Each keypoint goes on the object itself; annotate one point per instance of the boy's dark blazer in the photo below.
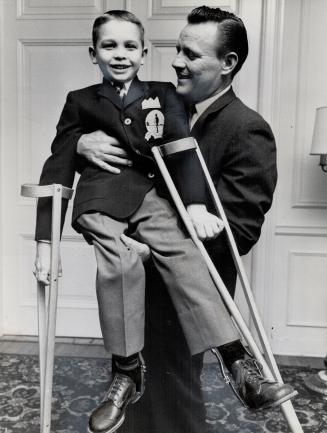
(99, 107)
(239, 148)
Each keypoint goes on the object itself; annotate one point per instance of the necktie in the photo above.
(193, 114)
(121, 90)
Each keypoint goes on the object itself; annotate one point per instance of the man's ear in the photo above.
(144, 54)
(230, 62)
(93, 55)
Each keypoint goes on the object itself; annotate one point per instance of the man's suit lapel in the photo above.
(216, 106)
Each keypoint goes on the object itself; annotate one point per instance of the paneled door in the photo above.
(44, 55)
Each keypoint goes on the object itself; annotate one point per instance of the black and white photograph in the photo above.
(163, 235)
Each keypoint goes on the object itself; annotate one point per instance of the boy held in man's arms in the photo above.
(135, 202)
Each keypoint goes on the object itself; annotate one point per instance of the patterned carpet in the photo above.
(79, 383)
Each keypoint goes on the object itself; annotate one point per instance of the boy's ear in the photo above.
(92, 55)
(230, 61)
(144, 54)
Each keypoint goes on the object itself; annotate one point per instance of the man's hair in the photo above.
(118, 15)
(233, 36)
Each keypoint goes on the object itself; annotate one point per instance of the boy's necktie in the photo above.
(121, 90)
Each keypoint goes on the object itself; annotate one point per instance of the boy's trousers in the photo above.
(120, 280)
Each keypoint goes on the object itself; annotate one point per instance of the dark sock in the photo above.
(231, 352)
(126, 363)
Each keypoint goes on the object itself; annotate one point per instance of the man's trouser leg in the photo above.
(201, 312)
(173, 401)
(120, 283)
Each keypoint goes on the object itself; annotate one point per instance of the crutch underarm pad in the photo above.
(181, 145)
(185, 169)
(36, 191)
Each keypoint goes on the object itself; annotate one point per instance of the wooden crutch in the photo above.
(47, 311)
(171, 148)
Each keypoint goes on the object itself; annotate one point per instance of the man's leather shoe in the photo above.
(125, 388)
(256, 391)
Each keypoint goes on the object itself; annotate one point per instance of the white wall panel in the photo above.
(47, 70)
(163, 9)
(307, 294)
(58, 9)
(162, 55)
(299, 299)
(76, 289)
(310, 189)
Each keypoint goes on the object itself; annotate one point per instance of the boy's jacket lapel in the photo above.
(109, 92)
(135, 92)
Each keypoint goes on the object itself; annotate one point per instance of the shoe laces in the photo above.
(253, 371)
(117, 387)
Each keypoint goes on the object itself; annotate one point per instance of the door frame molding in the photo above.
(268, 103)
(1, 173)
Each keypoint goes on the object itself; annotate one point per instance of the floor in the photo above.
(81, 377)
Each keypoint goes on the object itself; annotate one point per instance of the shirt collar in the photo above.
(125, 85)
(203, 105)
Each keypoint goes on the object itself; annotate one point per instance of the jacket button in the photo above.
(127, 121)
(150, 175)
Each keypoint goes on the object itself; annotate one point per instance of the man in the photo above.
(239, 149)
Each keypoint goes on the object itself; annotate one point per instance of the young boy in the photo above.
(140, 115)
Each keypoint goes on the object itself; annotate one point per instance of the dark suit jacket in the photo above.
(99, 107)
(239, 149)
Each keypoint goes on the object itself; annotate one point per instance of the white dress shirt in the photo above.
(201, 107)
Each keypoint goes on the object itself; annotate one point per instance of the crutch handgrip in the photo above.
(36, 191)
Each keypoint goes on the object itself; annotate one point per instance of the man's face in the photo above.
(118, 52)
(197, 66)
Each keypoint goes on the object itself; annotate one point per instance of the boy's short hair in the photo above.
(119, 15)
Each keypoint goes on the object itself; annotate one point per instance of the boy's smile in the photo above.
(119, 51)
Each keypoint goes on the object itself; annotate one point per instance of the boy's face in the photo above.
(118, 52)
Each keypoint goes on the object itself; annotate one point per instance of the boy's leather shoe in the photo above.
(255, 389)
(125, 388)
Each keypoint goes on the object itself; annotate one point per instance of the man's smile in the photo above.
(183, 76)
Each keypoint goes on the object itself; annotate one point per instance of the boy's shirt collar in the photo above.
(136, 89)
(124, 87)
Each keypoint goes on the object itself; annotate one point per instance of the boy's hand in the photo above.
(207, 225)
(142, 249)
(102, 150)
(43, 262)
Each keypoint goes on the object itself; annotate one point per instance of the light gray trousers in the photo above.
(120, 280)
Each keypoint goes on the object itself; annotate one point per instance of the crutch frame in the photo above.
(160, 152)
(47, 305)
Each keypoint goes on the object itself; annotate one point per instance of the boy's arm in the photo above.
(184, 167)
(43, 261)
(60, 167)
(186, 170)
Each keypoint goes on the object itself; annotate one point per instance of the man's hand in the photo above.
(43, 263)
(142, 249)
(103, 150)
(207, 225)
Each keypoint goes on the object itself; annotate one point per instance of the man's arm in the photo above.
(186, 170)
(102, 150)
(247, 182)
